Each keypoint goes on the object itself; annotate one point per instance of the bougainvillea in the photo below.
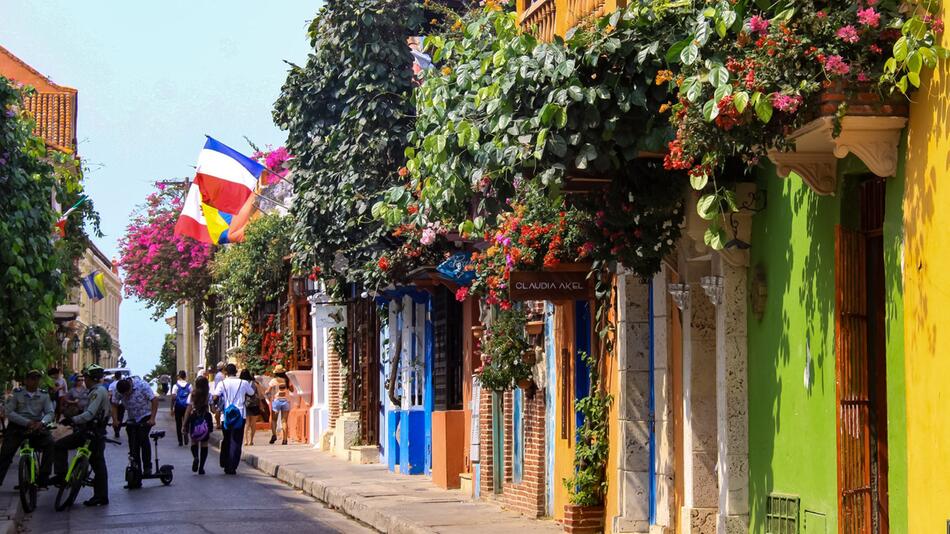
(750, 75)
(162, 269)
(503, 350)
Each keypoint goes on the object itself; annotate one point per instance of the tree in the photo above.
(35, 267)
(162, 269)
(167, 359)
(347, 113)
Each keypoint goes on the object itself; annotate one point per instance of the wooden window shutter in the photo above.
(853, 392)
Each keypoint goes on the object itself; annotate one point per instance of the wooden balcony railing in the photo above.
(546, 18)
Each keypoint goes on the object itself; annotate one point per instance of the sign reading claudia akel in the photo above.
(533, 285)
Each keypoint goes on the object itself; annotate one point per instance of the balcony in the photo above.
(546, 18)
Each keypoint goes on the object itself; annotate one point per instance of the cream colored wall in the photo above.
(104, 313)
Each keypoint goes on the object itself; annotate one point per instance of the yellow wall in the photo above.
(563, 448)
(927, 303)
(612, 382)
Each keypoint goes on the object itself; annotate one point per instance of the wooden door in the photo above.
(852, 383)
(363, 358)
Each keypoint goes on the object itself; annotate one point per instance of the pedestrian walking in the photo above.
(29, 409)
(253, 406)
(163, 382)
(180, 393)
(231, 394)
(279, 389)
(218, 377)
(141, 406)
(111, 382)
(94, 418)
(198, 423)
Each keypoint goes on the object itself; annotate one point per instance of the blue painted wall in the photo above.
(517, 438)
(582, 329)
(429, 398)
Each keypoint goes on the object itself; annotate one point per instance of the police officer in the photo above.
(29, 409)
(93, 420)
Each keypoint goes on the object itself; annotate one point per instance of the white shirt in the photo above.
(218, 377)
(179, 384)
(233, 390)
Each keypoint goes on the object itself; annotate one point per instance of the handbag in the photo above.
(265, 412)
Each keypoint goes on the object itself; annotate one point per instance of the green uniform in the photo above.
(94, 420)
(24, 408)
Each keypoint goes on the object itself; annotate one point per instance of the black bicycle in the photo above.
(77, 475)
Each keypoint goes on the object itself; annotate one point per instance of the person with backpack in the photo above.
(180, 392)
(280, 388)
(198, 423)
(231, 394)
(254, 406)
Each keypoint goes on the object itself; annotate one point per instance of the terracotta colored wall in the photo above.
(448, 438)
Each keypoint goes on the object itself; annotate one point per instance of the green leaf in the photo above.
(710, 110)
(741, 100)
(900, 49)
(914, 63)
(722, 91)
(698, 181)
(902, 84)
(914, 78)
(673, 54)
(715, 237)
(718, 75)
(708, 206)
(763, 109)
(695, 91)
(575, 93)
(690, 54)
(929, 56)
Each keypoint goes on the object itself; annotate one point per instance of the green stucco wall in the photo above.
(896, 390)
(792, 424)
(792, 436)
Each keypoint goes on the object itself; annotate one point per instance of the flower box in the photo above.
(534, 328)
(862, 101)
(583, 519)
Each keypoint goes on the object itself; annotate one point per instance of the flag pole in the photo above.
(268, 171)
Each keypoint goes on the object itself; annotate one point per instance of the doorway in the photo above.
(861, 373)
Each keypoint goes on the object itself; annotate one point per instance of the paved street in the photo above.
(250, 502)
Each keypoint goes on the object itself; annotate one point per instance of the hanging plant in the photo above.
(503, 352)
(588, 485)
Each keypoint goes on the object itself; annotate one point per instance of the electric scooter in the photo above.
(134, 474)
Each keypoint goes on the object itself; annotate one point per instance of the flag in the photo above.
(94, 284)
(61, 222)
(201, 222)
(226, 177)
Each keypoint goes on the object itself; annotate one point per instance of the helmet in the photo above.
(94, 372)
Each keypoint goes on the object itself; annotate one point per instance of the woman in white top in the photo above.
(279, 390)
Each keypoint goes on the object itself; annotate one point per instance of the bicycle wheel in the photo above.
(27, 484)
(67, 494)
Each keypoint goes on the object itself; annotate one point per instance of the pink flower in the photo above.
(836, 65)
(428, 237)
(847, 34)
(461, 294)
(758, 24)
(786, 103)
(863, 77)
(869, 17)
(821, 14)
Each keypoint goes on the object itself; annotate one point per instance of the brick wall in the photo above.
(526, 497)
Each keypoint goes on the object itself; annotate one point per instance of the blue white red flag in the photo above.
(226, 177)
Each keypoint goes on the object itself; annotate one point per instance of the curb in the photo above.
(350, 504)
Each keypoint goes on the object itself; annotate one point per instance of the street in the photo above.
(249, 502)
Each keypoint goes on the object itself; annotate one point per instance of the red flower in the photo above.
(461, 294)
(383, 263)
(403, 171)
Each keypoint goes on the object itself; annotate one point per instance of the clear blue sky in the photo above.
(153, 78)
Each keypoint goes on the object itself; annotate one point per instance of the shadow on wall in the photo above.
(791, 357)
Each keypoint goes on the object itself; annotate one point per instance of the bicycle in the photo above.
(26, 474)
(77, 475)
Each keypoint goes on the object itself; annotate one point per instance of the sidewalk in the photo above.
(385, 501)
(11, 511)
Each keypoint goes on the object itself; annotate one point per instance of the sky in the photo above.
(153, 79)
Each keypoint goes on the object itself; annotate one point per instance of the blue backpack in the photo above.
(181, 397)
(231, 417)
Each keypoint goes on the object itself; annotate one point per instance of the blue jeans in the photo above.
(231, 447)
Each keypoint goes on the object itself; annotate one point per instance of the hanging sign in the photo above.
(329, 316)
(543, 285)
